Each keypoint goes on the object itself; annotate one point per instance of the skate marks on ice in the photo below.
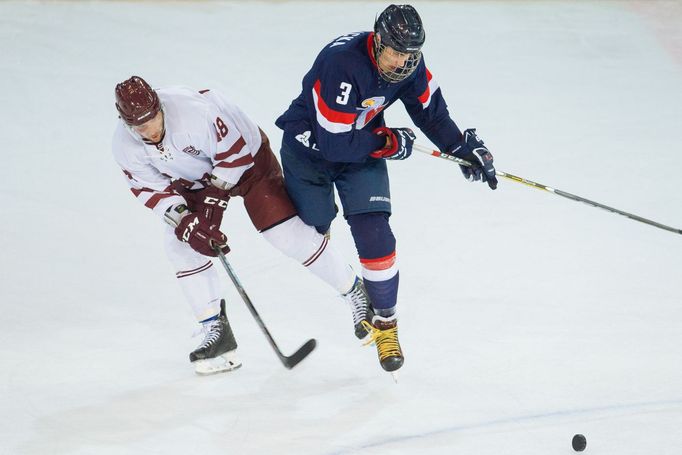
(577, 418)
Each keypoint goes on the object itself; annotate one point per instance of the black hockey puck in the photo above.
(579, 443)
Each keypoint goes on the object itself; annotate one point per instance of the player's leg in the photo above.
(200, 285)
(273, 213)
(365, 196)
(309, 185)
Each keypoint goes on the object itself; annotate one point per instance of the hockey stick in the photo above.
(540, 186)
(288, 361)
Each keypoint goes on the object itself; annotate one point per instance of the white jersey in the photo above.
(204, 135)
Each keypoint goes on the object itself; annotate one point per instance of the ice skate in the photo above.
(218, 351)
(384, 333)
(359, 304)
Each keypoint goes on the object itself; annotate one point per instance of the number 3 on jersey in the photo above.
(345, 93)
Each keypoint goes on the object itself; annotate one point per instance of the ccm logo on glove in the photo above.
(190, 227)
(215, 201)
(202, 235)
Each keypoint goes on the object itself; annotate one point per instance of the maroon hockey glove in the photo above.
(201, 235)
(400, 143)
(211, 202)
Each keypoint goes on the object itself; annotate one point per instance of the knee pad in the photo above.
(372, 234)
(376, 247)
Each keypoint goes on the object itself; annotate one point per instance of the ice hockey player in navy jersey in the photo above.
(335, 135)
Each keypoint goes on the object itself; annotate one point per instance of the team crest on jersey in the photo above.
(370, 108)
(304, 138)
(190, 150)
(166, 155)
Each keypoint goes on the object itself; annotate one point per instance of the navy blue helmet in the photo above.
(400, 28)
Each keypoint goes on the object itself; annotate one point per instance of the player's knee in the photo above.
(295, 239)
(372, 234)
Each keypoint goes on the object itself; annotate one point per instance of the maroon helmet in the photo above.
(136, 101)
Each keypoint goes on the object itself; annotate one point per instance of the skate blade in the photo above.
(221, 364)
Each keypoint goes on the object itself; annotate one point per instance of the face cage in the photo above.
(135, 134)
(398, 74)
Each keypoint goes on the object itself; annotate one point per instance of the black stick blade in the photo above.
(299, 355)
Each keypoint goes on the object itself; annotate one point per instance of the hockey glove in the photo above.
(201, 235)
(475, 152)
(211, 202)
(399, 145)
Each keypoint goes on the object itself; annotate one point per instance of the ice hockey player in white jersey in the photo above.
(185, 153)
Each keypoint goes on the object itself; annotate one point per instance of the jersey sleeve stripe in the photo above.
(431, 87)
(155, 198)
(243, 161)
(330, 119)
(236, 148)
(138, 191)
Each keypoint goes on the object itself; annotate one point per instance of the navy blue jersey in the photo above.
(343, 98)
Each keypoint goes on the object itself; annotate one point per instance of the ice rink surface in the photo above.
(524, 317)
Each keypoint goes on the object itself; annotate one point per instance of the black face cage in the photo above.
(397, 74)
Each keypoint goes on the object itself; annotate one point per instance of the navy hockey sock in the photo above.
(375, 243)
(383, 294)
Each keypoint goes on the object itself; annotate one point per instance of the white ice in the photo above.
(525, 317)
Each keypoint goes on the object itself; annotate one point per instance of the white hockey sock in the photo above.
(303, 243)
(196, 276)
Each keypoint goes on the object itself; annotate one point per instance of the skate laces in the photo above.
(386, 340)
(357, 298)
(213, 332)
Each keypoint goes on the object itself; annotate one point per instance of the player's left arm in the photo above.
(231, 130)
(424, 102)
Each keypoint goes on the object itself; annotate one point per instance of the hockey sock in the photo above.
(303, 243)
(196, 276)
(375, 243)
(202, 290)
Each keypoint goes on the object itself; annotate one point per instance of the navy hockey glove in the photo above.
(201, 234)
(400, 142)
(475, 152)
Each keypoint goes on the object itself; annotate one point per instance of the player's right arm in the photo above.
(149, 186)
(335, 97)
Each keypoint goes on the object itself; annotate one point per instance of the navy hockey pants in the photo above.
(310, 181)
(363, 189)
